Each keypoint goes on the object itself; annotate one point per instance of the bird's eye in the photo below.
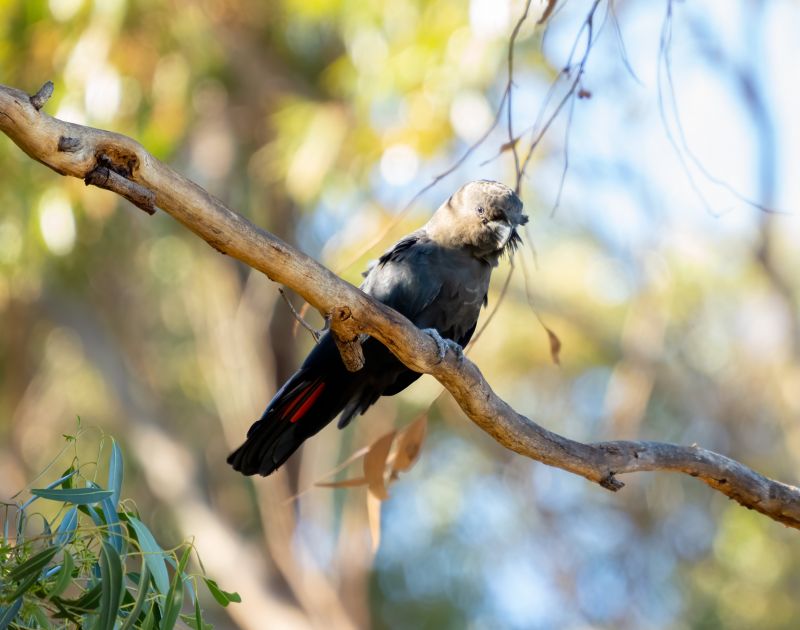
(481, 211)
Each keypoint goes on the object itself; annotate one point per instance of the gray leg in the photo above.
(444, 344)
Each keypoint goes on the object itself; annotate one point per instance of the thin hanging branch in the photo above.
(78, 151)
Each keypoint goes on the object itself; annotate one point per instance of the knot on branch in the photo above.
(107, 178)
(42, 96)
(610, 482)
(68, 145)
(346, 335)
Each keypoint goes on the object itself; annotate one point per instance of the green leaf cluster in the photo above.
(95, 564)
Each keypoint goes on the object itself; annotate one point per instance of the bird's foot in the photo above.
(443, 344)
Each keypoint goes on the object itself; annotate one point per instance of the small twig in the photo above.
(512, 141)
(43, 95)
(588, 27)
(138, 195)
(316, 334)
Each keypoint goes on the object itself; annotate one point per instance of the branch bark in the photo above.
(79, 151)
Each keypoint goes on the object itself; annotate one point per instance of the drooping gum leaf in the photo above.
(150, 618)
(33, 565)
(66, 529)
(223, 597)
(344, 483)
(174, 599)
(141, 596)
(115, 469)
(375, 465)
(23, 587)
(548, 10)
(64, 577)
(188, 583)
(374, 516)
(111, 579)
(76, 496)
(555, 346)
(8, 613)
(173, 606)
(153, 555)
(410, 444)
(112, 521)
(198, 617)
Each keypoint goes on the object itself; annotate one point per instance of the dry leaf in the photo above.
(410, 445)
(509, 145)
(344, 483)
(555, 346)
(375, 465)
(551, 4)
(374, 517)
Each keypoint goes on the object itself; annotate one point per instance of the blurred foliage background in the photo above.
(675, 299)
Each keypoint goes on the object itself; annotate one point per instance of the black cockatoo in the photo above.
(438, 277)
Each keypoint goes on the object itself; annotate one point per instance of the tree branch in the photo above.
(78, 151)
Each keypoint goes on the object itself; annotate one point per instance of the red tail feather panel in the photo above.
(305, 400)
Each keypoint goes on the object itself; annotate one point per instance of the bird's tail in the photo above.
(299, 410)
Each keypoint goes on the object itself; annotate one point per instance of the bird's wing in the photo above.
(405, 276)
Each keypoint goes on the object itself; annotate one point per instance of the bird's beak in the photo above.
(503, 231)
(523, 219)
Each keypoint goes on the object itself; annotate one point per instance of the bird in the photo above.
(437, 277)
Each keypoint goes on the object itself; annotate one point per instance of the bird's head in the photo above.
(481, 216)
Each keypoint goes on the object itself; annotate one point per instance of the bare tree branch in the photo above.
(353, 313)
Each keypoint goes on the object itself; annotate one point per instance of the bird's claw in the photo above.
(443, 344)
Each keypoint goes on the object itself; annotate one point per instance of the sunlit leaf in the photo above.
(344, 483)
(410, 444)
(375, 465)
(374, 517)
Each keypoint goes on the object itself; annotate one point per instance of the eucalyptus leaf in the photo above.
(111, 580)
(64, 577)
(66, 529)
(115, 470)
(152, 553)
(141, 596)
(76, 496)
(223, 597)
(9, 613)
(33, 565)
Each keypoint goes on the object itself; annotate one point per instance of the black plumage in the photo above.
(438, 277)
